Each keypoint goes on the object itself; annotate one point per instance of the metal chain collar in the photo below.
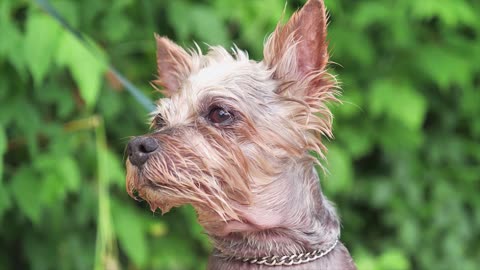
(294, 259)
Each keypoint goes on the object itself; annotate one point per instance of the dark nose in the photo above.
(140, 148)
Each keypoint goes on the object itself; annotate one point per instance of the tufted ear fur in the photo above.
(298, 50)
(174, 65)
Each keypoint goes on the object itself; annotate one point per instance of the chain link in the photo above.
(294, 259)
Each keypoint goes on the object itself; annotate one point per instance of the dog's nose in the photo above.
(140, 148)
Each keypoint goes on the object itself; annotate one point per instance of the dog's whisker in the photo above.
(240, 140)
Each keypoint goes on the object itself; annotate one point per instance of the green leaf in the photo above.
(28, 122)
(196, 229)
(4, 196)
(58, 174)
(436, 62)
(87, 67)
(117, 26)
(176, 16)
(206, 18)
(358, 141)
(410, 106)
(115, 168)
(399, 101)
(70, 11)
(362, 53)
(11, 48)
(365, 261)
(409, 234)
(340, 177)
(131, 232)
(5, 201)
(368, 13)
(24, 187)
(68, 172)
(52, 190)
(3, 148)
(394, 260)
(352, 102)
(199, 18)
(450, 13)
(40, 44)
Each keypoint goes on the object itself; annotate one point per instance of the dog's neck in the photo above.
(292, 217)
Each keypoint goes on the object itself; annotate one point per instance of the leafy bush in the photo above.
(404, 165)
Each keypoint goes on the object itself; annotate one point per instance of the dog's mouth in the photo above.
(138, 180)
(158, 194)
(164, 184)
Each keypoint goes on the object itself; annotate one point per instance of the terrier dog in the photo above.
(233, 138)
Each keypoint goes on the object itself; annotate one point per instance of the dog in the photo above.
(233, 137)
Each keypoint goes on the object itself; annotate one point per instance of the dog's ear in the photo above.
(173, 63)
(299, 48)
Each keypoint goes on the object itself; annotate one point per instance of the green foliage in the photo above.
(404, 169)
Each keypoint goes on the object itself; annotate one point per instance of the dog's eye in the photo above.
(219, 115)
(159, 121)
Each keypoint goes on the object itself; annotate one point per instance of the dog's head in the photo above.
(229, 127)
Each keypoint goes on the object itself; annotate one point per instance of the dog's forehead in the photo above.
(241, 80)
(216, 75)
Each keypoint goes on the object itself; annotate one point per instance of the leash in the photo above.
(134, 91)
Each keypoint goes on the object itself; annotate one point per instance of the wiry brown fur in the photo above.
(252, 181)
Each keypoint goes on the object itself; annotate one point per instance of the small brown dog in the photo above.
(232, 138)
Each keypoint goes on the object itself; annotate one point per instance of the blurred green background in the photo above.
(404, 167)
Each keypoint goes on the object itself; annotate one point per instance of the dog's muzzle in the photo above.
(140, 149)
